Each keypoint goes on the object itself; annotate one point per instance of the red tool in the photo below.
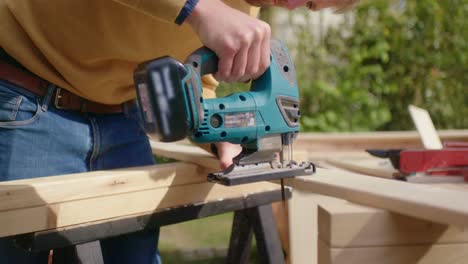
(450, 160)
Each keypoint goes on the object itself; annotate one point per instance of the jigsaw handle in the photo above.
(203, 60)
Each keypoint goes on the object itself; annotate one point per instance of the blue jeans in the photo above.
(36, 140)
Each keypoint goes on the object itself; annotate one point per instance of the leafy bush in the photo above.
(385, 55)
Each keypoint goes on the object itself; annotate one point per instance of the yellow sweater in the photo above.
(91, 47)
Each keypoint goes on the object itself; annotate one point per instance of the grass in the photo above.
(209, 232)
(199, 241)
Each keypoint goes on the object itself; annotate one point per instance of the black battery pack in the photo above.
(161, 99)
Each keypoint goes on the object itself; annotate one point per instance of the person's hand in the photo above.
(241, 42)
(227, 151)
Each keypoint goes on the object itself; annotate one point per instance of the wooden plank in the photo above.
(423, 122)
(358, 141)
(318, 155)
(416, 254)
(302, 212)
(417, 200)
(370, 166)
(183, 151)
(344, 224)
(55, 189)
(326, 142)
(74, 212)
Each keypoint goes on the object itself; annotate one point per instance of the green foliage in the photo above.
(162, 160)
(363, 74)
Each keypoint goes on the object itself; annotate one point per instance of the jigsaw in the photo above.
(263, 120)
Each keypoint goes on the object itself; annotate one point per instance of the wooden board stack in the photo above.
(53, 202)
(350, 233)
(338, 231)
(328, 230)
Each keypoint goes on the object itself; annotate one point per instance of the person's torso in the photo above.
(90, 47)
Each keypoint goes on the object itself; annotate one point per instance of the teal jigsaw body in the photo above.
(263, 120)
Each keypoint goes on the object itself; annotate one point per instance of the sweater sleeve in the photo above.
(209, 84)
(167, 10)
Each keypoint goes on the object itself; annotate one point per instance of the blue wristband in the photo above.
(186, 11)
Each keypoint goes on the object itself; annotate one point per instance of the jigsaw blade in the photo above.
(286, 156)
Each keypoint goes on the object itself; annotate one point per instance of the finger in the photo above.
(240, 63)
(254, 55)
(225, 163)
(227, 152)
(265, 53)
(226, 59)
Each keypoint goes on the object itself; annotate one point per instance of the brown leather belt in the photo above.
(63, 99)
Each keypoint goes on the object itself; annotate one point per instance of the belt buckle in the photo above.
(57, 98)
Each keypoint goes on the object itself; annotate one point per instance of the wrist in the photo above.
(186, 11)
(197, 12)
(202, 10)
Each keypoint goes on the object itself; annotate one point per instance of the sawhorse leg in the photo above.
(87, 253)
(260, 220)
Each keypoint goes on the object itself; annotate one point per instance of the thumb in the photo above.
(226, 152)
